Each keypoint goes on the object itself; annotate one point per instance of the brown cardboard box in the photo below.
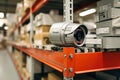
(42, 39)
(28, 3)
(45, 38)
(53, 76)
(18, 57)
(43, 28)
(27, 39)
(26, 74)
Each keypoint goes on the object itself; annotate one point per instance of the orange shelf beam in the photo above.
(80, 62)
(53, 59)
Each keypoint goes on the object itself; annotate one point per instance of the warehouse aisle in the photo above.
(7, 69)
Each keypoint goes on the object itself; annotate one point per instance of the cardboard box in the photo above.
(28, 3)
(53, 76)
(42, 28)
(45, 28)
(42, 39)
(45, 38)
(27, 39)
(20, 9)
(26, 74)
(37, 67)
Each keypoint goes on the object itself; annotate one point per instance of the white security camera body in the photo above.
(68, 34)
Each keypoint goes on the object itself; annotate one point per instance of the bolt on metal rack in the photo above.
(69, 62)
(68, 17)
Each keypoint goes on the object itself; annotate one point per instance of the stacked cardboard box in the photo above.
(41, 36)
(53, 76)
(20, 10)
(24, 38)
(42, 24)
(23, 6)
(18, 58)
(26, 74)
(28, 3)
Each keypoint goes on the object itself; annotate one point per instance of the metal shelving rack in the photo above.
(37, 5)
(69, 62)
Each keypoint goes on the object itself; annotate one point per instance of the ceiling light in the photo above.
(87, 12)
(2, 15)
(6, 27)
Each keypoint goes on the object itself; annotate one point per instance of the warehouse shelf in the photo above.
(71, 63)
(36, 6)
(16, 66)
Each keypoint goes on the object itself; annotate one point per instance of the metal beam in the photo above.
(11, 2)
(9, 9)
(8, 5)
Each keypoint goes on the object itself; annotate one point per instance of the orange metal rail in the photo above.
(71, 63)
(37, 5)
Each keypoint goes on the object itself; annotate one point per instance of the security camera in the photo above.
(68, 34)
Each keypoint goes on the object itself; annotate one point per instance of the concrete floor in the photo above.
(7, 68)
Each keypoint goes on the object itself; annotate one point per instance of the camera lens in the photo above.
(79, 36)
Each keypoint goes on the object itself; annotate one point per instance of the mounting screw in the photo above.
(65, 55)
(71, 55)
(65, 69)
(71, 69)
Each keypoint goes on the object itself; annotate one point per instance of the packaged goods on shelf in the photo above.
(18, 58)
(42, 39)
(27, 39)
(24, 38)
(108, 28)
(26, 74)
(109, 3)
(42, 28)
(47, 19)
(37, 67)
(28, 3)
(107, 13)
(20, 9)
(52, 76)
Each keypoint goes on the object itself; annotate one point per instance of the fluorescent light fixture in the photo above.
(2, 15)
(87, 12)
(6, 27)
